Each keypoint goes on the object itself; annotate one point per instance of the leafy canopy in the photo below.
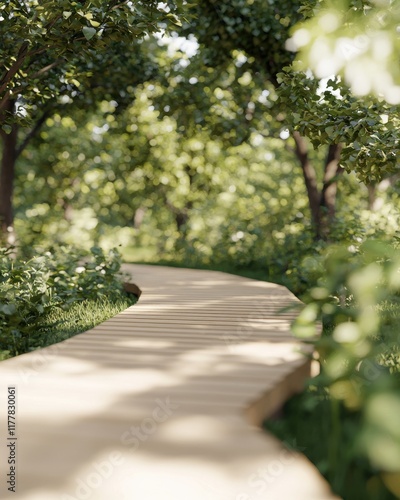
(45, 46)
(344, 84)
(357, 39)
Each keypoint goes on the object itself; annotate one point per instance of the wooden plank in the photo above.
(163, 401)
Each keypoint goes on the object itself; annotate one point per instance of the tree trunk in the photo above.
(375, 192)
(310, 179)
(371, 196)
(329, 190)
(68, 211)
(322, 203)
(181, 219)
(7, 174)
(10, 154)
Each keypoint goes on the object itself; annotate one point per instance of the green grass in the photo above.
(60, 325)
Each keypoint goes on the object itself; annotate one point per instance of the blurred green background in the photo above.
(256, 137)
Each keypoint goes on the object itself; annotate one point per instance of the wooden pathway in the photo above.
(163, 401)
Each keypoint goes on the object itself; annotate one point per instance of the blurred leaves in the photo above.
(357, 301)
(357, 39)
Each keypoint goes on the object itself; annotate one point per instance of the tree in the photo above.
(260, 31)
(168, 174)
(358, 107)
(51, 49)
(357, 39)
(36, 39)
(202, 196)
(367, 126)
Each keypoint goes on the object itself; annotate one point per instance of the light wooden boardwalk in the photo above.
(163, 401)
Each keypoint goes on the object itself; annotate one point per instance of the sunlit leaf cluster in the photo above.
(355, 38)
(358, 300)
(327, 112)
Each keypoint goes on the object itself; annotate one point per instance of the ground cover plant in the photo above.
(56, 293)
(347, 421)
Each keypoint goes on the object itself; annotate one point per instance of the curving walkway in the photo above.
(163, 401)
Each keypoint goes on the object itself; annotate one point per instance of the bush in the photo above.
(357, 300)
(31, 289)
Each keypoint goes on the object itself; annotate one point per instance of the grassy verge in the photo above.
(56, 293)
(59, 325)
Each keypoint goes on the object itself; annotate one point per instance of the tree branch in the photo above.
(3, 101)
(47, 68)
(51, 23)
(329, 188)
(9, 75)
(32, 133)
(16, 90)
(121, 4)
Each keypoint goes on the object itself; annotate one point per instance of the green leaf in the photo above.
(88, 32)
(174, 19)
(67, 14)
(8, 309)
(7, 129)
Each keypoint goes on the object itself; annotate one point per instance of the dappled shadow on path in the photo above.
(153, 399)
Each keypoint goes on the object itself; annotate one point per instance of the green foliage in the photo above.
(189, 156)
(367, 126)
(309, 423)
(49, 46)
(240, 204)
(358, 302)
(357, 39)
(257, 28)
(31, 289)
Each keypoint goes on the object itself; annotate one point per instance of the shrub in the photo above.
(357, 300)
(31, 289)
